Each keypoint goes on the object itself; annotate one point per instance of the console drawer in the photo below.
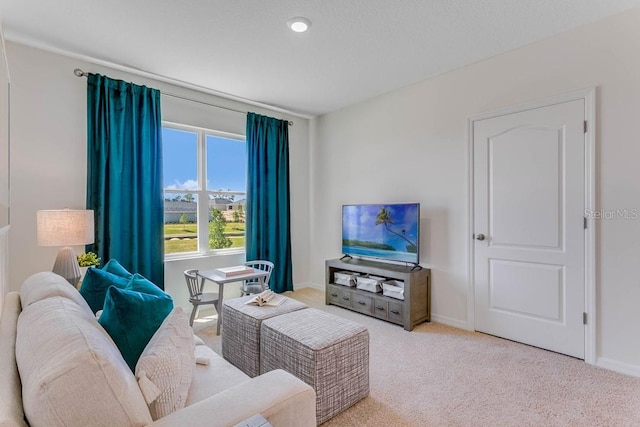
(362, 303)
(395, 312)
(338, 295)
(380, 308)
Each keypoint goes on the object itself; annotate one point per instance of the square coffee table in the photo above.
(328, 352)
(241, 331)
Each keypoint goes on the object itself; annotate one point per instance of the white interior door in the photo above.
(529, 240)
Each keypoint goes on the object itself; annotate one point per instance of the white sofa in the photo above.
(67, 371)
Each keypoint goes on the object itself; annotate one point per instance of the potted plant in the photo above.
(89, 259)
(86, 260)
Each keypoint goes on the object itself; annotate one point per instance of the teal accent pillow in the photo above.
(131, 317)
(139, 283)
(114, 267)
(95, 284)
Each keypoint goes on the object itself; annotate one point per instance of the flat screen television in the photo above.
(386, 231)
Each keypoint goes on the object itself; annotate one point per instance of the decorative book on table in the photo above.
(266, 297)
(236, 270)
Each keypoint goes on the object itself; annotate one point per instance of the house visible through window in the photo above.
(204, 190)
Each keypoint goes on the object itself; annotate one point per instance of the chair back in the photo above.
(192, 283)
(261, 265)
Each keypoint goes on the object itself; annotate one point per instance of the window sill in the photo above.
(198, 255)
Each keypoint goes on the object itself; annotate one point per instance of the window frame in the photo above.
(202, 193)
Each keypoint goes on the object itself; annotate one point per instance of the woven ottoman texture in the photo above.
(329, 353)
(241, 330)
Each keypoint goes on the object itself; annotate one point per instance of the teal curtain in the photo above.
(124, 174)
(267, 213)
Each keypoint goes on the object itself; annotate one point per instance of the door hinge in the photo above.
(585, 126)
(585, 222)
(584, 318)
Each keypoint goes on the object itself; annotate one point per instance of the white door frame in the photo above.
(589, 97)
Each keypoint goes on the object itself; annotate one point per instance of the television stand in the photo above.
(414, 309)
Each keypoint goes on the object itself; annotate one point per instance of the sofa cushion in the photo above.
(47, 284)
(214, 377)
(166, 365)
(71, 371)
(95, 284)
(131, 316)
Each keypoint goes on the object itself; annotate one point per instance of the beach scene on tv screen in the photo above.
(381, 231)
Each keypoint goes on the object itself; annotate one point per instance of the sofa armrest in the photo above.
(281, 398)
(11, 413)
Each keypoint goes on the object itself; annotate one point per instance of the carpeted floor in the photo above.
(442, 376)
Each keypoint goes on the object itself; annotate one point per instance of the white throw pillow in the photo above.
(72, 373)
(165, 367)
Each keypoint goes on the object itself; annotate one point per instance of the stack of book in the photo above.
(234, 271)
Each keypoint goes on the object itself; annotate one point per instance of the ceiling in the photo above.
(354, 50)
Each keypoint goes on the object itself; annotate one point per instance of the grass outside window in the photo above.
(183, 237)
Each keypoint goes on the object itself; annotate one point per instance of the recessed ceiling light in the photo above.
(299, 24)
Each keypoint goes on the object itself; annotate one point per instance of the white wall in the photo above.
(48, 157)
(4, 173)
(411, 145)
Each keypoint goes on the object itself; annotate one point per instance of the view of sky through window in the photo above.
(226, 161)
(226, 164)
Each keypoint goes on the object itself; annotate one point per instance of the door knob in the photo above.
(480, 236)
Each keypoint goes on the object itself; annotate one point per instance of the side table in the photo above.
(216, 277)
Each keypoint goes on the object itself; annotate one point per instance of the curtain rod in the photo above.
(79, 73)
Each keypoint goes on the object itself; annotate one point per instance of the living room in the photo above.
(409, 144)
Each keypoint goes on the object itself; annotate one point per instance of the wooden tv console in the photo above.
(414, 309)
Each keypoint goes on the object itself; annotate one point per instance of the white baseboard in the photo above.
(617, 366)
(450, 321)
(308, 285)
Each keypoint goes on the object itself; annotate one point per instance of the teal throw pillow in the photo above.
(139, 283)
(95, 284)
(132, 317)
(114, 267)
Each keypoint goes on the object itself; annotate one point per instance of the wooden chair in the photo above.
(254, 286)
(196, 297)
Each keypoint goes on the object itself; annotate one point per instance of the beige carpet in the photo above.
(441, 376)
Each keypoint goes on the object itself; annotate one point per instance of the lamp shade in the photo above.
(65, 227)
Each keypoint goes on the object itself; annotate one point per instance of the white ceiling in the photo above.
(355, 49)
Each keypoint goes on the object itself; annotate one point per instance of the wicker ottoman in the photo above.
(241, 330)
(329, 353)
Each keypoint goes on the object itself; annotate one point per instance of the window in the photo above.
(204, 190)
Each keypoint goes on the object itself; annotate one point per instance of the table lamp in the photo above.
(66, 227)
